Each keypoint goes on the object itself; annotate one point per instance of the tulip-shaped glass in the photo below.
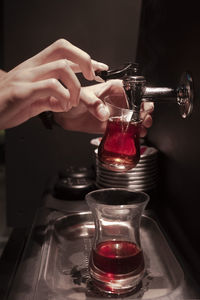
(119, 149)
(116, 261)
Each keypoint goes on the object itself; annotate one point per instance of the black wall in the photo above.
(107, 30)
(168, 45)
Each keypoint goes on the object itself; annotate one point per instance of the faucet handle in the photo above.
(137, 90)
(129, 69)
(185, 94)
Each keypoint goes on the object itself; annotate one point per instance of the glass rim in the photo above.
(101, 203)
(115, 106)
(127, 110)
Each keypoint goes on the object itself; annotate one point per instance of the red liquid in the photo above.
(117, 258)
(120, 144)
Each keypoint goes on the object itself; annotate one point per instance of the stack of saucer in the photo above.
(141, 178)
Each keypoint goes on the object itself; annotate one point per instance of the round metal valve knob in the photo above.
(185, 95)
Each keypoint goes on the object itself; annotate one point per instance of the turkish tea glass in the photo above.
(116, 261)
(119, 149)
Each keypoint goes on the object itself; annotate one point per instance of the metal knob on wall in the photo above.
(137, 90)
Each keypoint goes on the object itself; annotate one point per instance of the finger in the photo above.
(59, 70)
(111, 87)
(95, 64)
(105, 88)
(45, 104)
(116, 93)
(147, 122)
(147, 106)
(49, 88)
(29, 104)
(143, 132)
(64, 49)
(37, 107)
(95, 106)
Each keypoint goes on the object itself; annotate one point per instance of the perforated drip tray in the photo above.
(64, 273)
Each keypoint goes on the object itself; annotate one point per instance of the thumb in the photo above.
(94, 105)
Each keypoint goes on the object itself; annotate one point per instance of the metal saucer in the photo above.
(143, 179)
(131, 186)
(132, 172)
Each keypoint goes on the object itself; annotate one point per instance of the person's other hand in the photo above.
(47, 81)
(91, 115)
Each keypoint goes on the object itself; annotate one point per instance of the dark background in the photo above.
(169, 45)
(164, 37)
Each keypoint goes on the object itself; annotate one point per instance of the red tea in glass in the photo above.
(116, 266)
(117, 263)
(119, 149)
(117, 258)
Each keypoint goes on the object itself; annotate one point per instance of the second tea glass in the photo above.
(119, 149)
(116, 261)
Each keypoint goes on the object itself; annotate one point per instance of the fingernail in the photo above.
(103, 112)
(103, 66)
(148, 106)
(98, 79)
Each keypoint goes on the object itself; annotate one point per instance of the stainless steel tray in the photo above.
(65, 255)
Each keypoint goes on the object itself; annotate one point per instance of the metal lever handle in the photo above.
(129, 69)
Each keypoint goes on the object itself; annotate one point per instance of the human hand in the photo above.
(47, 81)
(91, 115)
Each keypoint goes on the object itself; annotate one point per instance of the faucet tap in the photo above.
(137, 90)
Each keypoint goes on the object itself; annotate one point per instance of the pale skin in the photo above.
(91, 115)
(48, 81)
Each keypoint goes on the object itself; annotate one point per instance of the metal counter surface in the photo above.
(23, 278)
